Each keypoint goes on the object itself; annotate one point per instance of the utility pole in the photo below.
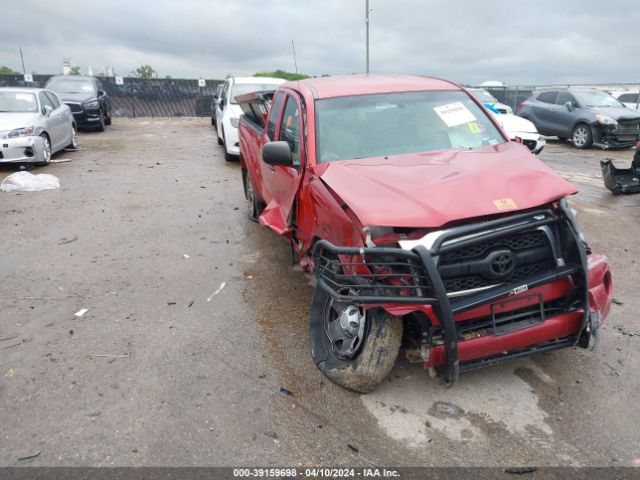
(366, 22)
(24, 72)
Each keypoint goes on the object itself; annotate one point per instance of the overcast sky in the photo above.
(516, 41)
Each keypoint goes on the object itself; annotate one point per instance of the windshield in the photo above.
(18, 102)
(67, 85)
(483, 95)
(596, 98)
(366, 126)
(242, 88)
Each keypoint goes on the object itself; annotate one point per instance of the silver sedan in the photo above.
(34, 124)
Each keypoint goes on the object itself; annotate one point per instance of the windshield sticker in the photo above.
(24, 96)
(454, 114)
(474, 127)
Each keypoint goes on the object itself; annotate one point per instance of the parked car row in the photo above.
(35, 123)
(426, 228)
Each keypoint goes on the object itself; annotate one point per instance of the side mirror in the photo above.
(47, 110)
(277, 153)
(101, 93)
(569, 106)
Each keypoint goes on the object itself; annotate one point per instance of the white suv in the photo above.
(228, 111)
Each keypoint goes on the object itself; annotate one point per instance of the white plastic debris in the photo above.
(27, 182)
(81, 312)
(222, 285)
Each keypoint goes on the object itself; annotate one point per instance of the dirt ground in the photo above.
(194, 348)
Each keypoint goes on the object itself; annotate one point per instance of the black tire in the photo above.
(213, 121)
(47, 149)
(100, 127)
(107, 120)
(376, 353)
(581, 136)
(220, 142)
(253, 204)
(74, 139)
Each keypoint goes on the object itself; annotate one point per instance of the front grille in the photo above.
(75, 108)
(628, 127)
(473, 266)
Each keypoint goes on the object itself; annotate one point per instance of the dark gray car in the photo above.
(586, 116)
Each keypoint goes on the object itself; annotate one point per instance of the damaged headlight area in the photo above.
(91, 105)
(18, 132)
(606, 120)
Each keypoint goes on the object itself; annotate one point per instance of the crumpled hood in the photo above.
(11, 121)
(433, 189)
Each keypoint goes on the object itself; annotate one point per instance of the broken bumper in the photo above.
(22, 150)
(617, 136)
(560, 307)
(619, 180)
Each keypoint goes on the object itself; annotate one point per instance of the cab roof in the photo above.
(347, 85)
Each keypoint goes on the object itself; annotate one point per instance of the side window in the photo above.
(53, 98)
(290, 129)
(274, 114)
(628, 98)
(547, 97)
(564, 97)
(44, 100)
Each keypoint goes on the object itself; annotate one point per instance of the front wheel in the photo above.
(353, 347)
(100, 127)
(582, 136)
(74, 139)
(47, 150)
(253, 203)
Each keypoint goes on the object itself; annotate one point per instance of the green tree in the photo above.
(145, 71)
(6, 71)
(282, 74)
(75, 70)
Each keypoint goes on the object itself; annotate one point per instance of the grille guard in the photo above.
(420, 264)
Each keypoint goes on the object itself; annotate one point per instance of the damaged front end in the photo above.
(480, 293)
(621, 133)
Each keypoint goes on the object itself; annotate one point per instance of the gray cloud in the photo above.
(517, 42)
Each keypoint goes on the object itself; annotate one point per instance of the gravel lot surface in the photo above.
(196, 322)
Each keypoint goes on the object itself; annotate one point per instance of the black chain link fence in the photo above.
(168, 97)
(144, 97)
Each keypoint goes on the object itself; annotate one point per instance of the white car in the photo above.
(627, 98)
(518, 127)
(228, 111)
(34, 124)
(490, 101)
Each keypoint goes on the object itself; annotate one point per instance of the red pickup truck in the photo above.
(426, 228)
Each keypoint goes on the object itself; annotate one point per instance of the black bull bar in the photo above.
(381, 275)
